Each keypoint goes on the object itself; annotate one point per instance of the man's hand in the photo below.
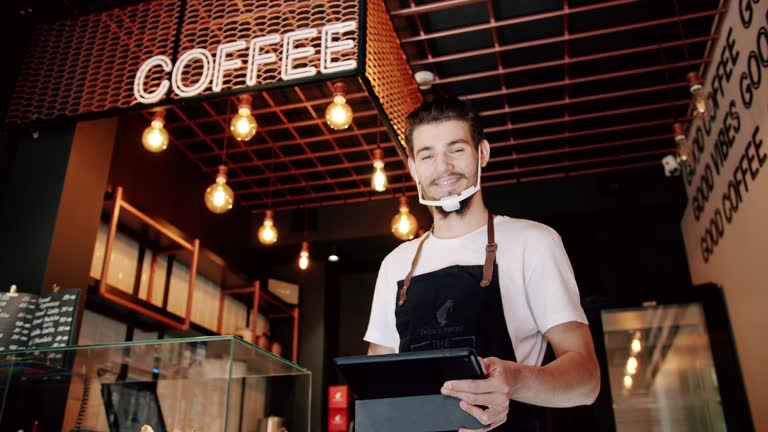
(493, 392)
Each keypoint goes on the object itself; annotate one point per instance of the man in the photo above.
(502, 286)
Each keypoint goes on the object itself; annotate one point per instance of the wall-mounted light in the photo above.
(701, 104)
(338, 115)
(304, 256)
(155, 137)
(243, 125)
(268, 232)
(379, 177)
(219, 197)
(404, 224)
(683, 149)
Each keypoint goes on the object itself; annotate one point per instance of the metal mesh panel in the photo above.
(387, 68)
(208, 23)
(88, 64)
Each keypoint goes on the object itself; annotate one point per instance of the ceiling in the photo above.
(565, 87)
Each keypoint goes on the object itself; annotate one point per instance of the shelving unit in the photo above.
(272, 307)
(146, 300)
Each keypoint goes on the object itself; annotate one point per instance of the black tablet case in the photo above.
(402, 391)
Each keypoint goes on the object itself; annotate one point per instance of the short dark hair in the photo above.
(441, 109)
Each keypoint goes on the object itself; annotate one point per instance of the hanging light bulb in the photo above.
(701, 104)
(268, 233)
(683, 149)
(243, 125)
(219, 197)
(631, 365)
(338, 115)
(304, 256)
(404, 224)
(627, 382)
(379, 178)
(636, 347)
(155, 137)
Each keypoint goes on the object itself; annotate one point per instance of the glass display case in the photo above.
(217, 383)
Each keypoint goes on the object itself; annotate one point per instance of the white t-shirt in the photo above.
(538, 289)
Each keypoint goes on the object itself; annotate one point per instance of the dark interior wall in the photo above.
(170, 187)
(312, 330)
(29, 207)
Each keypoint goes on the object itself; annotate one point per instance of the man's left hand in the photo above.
(493, 392)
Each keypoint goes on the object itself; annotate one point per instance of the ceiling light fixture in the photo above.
(701, 103)
(404, 224)
(268, 232)
(243, 125)
(338, 115)
(379, 178)
(304, 256)
(155, 138)
(219, 197)
(683, 149)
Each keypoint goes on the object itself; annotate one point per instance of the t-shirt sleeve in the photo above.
(381, 325)
(549, 282)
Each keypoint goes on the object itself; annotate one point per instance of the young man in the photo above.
(499, 285)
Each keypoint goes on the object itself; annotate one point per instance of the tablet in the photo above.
(407, 374)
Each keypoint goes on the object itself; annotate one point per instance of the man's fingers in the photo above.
(471, 386)
(491, 416)
(496, 400)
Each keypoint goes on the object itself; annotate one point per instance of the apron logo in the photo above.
(442, 313)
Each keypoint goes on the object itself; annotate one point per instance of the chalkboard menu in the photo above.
(37, 321)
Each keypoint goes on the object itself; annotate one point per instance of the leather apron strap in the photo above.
(490, 258)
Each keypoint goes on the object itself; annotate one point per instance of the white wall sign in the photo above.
(724, 224)
(214, 67)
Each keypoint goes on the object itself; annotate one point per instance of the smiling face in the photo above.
(444, 158)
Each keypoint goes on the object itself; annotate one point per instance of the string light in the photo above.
(635, 345)
(155, 138)
(338, 115)
(243, 125)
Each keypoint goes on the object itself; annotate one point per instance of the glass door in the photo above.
(672, 366)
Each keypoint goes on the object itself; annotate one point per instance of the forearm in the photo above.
(573, 379)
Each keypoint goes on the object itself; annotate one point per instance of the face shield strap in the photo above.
(451, 203)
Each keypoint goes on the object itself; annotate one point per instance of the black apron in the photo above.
(460, 306)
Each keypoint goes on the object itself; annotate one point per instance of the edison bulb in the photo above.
(155, 137)
(627, 382)
(636, 346)
(683, 149)
(379, 178)
(304, 256)
(243, 125)
(219, 197)
(404, 224)
(338, 115)
(268, 233)
(632, 366)
(701, 104)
